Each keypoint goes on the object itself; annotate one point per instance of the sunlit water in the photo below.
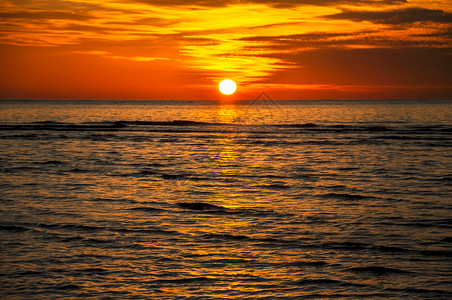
(136, 200)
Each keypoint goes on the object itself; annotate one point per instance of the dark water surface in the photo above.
(165, 200)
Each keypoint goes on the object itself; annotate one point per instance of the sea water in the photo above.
(190, 199)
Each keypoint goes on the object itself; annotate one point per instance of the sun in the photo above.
(227, 87)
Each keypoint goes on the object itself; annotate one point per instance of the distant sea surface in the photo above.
(191, 199)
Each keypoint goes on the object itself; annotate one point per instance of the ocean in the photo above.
(201, 200)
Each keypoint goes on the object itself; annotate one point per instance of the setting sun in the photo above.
(227, 87)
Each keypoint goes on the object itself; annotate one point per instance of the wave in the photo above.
(166, 175)
(147, 209)
(51, 162)
(93, 271)
(318, 281)
(30, 273)
(346, 196)
(174, 176)
(13, 228)
(365, 246)
(231, 260)
(441, 253)
(148, 230)
(201, 206)
(218, 209)
(66, 287)
(122, 200)
(72, 227)
(260, 241)
(187, 280)
(168, 123)
(99, 126)
(378, 270)
(305, 125)
(397, 132)
(225, 236)
(309, 263)
(437, 223)
(432, 293)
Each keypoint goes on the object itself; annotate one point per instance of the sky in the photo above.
(181, 49)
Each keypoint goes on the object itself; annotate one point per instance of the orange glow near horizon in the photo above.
(92, 49)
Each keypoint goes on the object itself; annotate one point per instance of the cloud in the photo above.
(274, 3)
(326, 2)
(395, 16)
(358, 39)
(145, 21)
(376, 66)
(107, 54)
(39, 15)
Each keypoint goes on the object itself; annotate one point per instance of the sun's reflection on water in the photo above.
(227, 113)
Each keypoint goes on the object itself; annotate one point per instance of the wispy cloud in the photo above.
(107, 54)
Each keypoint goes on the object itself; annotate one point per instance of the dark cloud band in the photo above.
(395, 17)
(275, 3)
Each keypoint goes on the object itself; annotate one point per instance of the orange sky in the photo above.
(180, 49)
